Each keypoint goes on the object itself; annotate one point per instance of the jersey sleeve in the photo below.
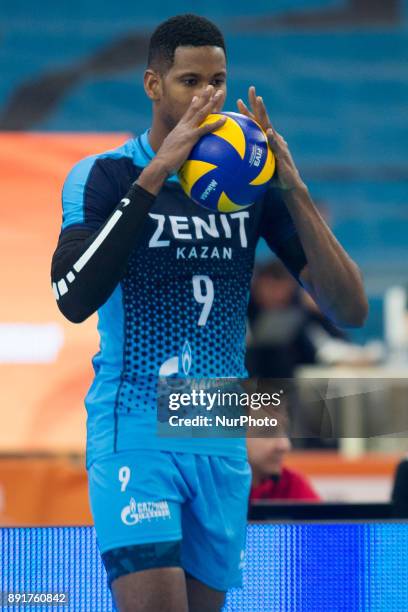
(89, 195)
(87, 265)
(279, 232)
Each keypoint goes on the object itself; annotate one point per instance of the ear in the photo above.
(152, 84)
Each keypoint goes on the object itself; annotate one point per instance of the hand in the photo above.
(178, 143)
(286, 176)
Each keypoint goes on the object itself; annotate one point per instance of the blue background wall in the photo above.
(334, 75)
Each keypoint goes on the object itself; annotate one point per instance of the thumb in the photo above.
(272, 140)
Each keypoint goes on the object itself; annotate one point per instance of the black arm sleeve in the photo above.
(87, 266)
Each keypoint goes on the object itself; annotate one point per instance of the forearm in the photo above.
(86, 267)
(333, 279)
(153, 176)
(330, 276)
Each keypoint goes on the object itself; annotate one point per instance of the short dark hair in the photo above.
(180, 31)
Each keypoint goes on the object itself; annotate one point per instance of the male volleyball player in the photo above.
(170, 514)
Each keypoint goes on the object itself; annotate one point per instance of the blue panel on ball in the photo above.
(207, 190)
(232, 174)
(241, 193)
(258, 157)
(215, 150)
(253, 136)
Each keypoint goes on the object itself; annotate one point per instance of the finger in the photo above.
(210, 107)
(211, 127)
(206, 94)
(275, 141)
(271, 138)
(219, 99)
(209, 90)
(203, 112)
(262, 113)
(258, 105)
(198, 102)
(192, 109)
(252, 98)
(243, 109)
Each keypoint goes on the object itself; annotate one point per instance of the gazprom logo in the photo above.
(186, 358)
(133, 513)
(178, 364)
(129, 514)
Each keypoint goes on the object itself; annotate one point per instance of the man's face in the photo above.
(266, 455)
(274, 293)
(193, 69)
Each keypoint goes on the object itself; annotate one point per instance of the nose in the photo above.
(202, 88)
(282, 444)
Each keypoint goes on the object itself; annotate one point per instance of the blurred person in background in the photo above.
(283, 327)
(271, 480)
(399, 496)
(287, 330)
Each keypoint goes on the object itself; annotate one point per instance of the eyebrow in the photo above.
(196, 74)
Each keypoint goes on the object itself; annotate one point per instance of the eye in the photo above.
(218, 82)
(190, 82)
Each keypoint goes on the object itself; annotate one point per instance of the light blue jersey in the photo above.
(180, 307)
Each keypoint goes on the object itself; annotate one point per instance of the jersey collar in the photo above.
(145, 144)
(149, 153)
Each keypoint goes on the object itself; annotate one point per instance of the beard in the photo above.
(169, 120)
(170, 111)
(171, 114)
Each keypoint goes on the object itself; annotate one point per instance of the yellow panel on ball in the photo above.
(191, 171)
(226, 205)
(231, 132)
(229, 168)
(267, 171)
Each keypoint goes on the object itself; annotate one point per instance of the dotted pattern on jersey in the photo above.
(161, 314)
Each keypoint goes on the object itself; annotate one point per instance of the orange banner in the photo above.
(45, 361)
(54, 490)
(47, 491)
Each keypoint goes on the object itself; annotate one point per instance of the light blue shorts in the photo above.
(141, 497)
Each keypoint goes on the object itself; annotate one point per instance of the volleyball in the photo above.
(229, 169)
